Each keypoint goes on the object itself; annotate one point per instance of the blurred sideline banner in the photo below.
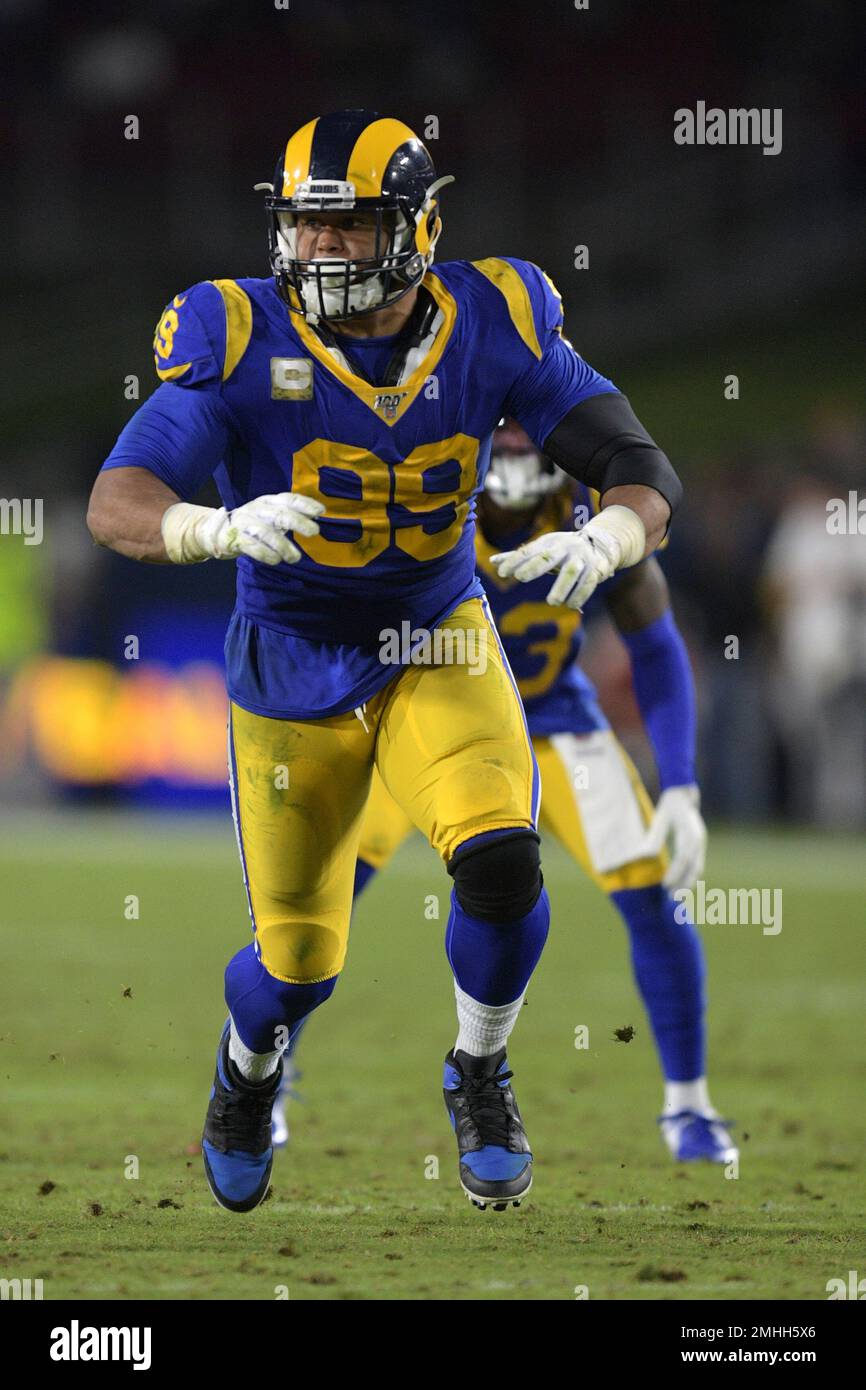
(129, 703)
(147, 729)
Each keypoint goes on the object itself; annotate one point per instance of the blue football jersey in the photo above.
(543, 643)
(253, 396)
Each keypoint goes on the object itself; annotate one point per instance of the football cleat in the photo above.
(236, 1145)
(287, 1092)
(691, 1137)
(495, 1159)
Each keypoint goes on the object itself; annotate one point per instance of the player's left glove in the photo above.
(678, 818)
(616, 537)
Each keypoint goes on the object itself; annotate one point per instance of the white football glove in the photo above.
(610, 540)
(257, 529)
(678, 818)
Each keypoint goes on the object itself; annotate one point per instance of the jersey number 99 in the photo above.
(419, 505)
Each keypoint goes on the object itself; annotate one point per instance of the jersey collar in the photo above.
(388, 403)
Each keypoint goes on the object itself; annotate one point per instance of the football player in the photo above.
(594, 802)
(345, 406)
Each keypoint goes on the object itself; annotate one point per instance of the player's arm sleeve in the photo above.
(601, 442)
(576, 415)
(184, 431)
(665, 691)
(638, 600)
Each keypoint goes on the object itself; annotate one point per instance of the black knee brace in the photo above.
(500, 880)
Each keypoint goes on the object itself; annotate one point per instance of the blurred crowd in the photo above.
(150, 125)
(767, 567)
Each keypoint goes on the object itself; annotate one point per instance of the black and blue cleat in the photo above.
(495, 1159)
(236, 1145)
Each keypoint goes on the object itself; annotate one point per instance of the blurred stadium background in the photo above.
(559, 126)
(703, 263)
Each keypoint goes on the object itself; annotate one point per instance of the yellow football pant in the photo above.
(564, 812)
(450, 746)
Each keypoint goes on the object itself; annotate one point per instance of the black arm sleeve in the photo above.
(602, 443)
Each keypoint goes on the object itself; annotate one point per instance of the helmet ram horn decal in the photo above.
(353, 160)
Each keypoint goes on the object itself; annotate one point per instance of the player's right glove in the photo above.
(257, 529)
(678, 818)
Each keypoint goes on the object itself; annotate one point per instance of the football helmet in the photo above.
(353, 160)
(520, 475)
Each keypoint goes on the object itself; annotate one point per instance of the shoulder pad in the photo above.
(203, 333)
(533, 301)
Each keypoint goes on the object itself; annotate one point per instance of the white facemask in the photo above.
(364, 295)
(518, 481)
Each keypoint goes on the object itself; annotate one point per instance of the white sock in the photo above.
(483, 1028)
(688, 1095)
(253, 1066)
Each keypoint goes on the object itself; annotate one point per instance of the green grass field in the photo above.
(109, 1027)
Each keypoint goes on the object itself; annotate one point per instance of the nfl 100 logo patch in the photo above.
(291, 379)
(389, 403)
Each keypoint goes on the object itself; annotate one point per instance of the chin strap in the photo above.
(420, 329)
(425, 241)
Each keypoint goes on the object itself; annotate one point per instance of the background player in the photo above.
(370, 386)
(593, 801)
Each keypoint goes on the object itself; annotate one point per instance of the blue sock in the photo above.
(492, 961)
(363, 873)
(260, 1004)
(668, 962)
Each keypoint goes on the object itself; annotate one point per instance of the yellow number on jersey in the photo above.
(517, 622)
(163, 341)
(324, 470)
(355, 488)
(409, 492)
